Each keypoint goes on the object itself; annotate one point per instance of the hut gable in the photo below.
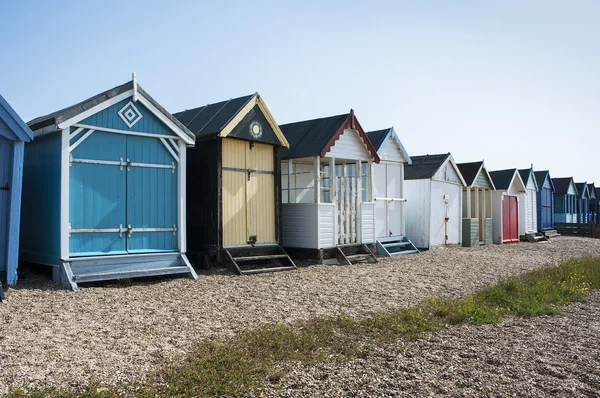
(440, 167)
(508, 180)
(582, 189)
(125, 109)
(543, 180)
(528, 178)
(388, 146)
(564, 186)
(246, 118)
(475, 174)
(339, 136)
(12, 127)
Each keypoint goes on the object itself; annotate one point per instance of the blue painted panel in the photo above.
(110, 118)
(97, 196)
(6, 149)
(151, 196)
(40, 204)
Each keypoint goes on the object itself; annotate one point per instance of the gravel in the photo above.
(537, 357)
(124, 330)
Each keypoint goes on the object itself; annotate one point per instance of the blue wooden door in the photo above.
(97, 196)
(151, 196)
(5, 177)
(546, 204)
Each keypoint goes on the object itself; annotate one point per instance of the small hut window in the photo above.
(364, 177)
(325, 184)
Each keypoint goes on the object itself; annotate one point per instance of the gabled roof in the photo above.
(378, 137)
(19, 130)
(504, 178)
(218, 119)
(540, 177)
(471, 170)
(526, 174)
(561, 185)
(68, 116)
(315, 137)
(425, 167)
(592, 190)
(582, 189)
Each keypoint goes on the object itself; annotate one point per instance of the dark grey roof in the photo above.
(424, 166)
(469, 171)
(62, 115)
(561, 185)
(209, 120)
(378, 137)
(502, 178)
(592, 189)
(525, 174)
(309, 137)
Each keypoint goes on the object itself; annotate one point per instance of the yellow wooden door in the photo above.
(248, 192)
(260, 192)
(234, 192)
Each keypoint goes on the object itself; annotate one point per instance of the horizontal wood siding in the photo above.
(483, 181)
(40, 210)
(349, 146)
(367, 222)
(326, 226)
(470, 232)
(300, 225)
(489, 231)
(203, 224)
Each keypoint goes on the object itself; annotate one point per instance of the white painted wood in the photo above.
(418, 211)
(497, 216)
(440, 210)
(80, 140)
(367, 223)
(390, 151)
(170, 149)
(326, 226)
(291, 196)
(349, 146)
(117, 131)
(64, 193)
(448, 172)
(317, 179)
(74, 133)
(168, 122)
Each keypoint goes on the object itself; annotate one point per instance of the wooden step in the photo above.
(404, 252)
(265, 270)
(266, 257)
(355, 258)
(101, 276)
(396, 244)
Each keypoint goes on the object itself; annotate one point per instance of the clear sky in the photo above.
(512, 82)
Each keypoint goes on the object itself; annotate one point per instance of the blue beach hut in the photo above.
(545, 201)
(13, 135)
(104, 187)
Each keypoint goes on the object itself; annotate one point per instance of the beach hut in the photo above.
(477, 222)
(593, 203)
(14, 133)
(388, 194)
(328, 211)
(104, 189)
(510, 189)
(597, 192)
(434, 187)
(233, 195)
(545, 203)
(583, 203)
(528, 207)
(565, 199)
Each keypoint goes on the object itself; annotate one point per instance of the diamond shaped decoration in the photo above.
(130, 114)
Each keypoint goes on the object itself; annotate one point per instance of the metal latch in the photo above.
(252, 240)
(249, 175)
(129, 163)
(129, 230)
(5, 188)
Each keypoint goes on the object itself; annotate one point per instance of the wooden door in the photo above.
(546, 205)
(152, 207)
(510, 217)
(97, 195)
(248, 193)
(347, 204)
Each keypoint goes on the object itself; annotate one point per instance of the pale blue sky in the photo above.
(512, 82)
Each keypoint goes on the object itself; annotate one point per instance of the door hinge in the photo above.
(5, 188)
(249, 172)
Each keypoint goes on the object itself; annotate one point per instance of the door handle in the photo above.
(5, 188)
